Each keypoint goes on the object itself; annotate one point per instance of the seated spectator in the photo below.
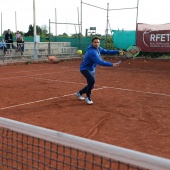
(18, 35)
(9, 39)
(20, 43)
(3, 46)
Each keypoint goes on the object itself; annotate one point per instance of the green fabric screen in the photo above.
(123, 39)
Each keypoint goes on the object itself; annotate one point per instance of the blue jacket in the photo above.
(2, 44)
(92, 58)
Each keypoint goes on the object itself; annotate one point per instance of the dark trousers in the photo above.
(90, 77)
(9, 43)
(4, 49)
(20, 48)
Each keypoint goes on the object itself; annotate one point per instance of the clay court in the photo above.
(131, 103)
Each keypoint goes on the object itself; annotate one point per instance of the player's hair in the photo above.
(96, 38)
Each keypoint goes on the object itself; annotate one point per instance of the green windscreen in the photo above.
(123, 39)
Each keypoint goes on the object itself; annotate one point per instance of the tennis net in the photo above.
(27, 147)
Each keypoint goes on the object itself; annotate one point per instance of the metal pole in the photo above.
(75, 29)
(137, 20)
(137, 14)
(107, 21)
(79, 35)
(35, 39)
(15, 21)
(49, 47)
(78, 18)
(1, 23)
(81, 17)
(81, 31)
(55, 22)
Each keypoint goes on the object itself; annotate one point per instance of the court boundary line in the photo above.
(56, 97)
(30, 71)
(33, 75)
(117, 88)
(38, 101)
(66, 95)
(100, 67)
(162, 94)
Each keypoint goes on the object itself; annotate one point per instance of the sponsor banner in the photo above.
(153, 38)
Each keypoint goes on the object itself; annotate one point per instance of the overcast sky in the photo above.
(149, 11)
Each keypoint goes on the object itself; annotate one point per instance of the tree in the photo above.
(63, 35)
(109, 43)
(7, 31)
(44, 31)
(77, 35)
(30, 31)
(39, 31)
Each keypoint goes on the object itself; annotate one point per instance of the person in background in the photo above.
(20, 43)
(18, 35)
(9, 39)
(3, 46)
(91, 59)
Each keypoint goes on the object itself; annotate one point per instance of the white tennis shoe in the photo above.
(79, 96)
(88, 100)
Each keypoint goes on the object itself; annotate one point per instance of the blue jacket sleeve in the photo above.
(98, 60)
(104, 51)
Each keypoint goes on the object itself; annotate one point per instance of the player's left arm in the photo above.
(105, 51)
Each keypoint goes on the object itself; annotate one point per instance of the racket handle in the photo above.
(119, 62)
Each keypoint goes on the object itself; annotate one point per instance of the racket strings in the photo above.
(132, 52)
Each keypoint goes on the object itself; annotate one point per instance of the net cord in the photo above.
(106, 150)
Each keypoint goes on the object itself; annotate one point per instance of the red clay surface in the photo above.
(131, 103)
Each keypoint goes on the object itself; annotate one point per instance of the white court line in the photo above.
(116, 88)
(30, 71)
(26, 71)
(34, 75)
(101, 87)
(132, 69)
(38, 101)
(139, 91)
(57, 97)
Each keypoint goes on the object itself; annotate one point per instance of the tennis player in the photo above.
(91, 59)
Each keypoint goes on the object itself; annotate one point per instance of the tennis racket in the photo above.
(131, 52)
